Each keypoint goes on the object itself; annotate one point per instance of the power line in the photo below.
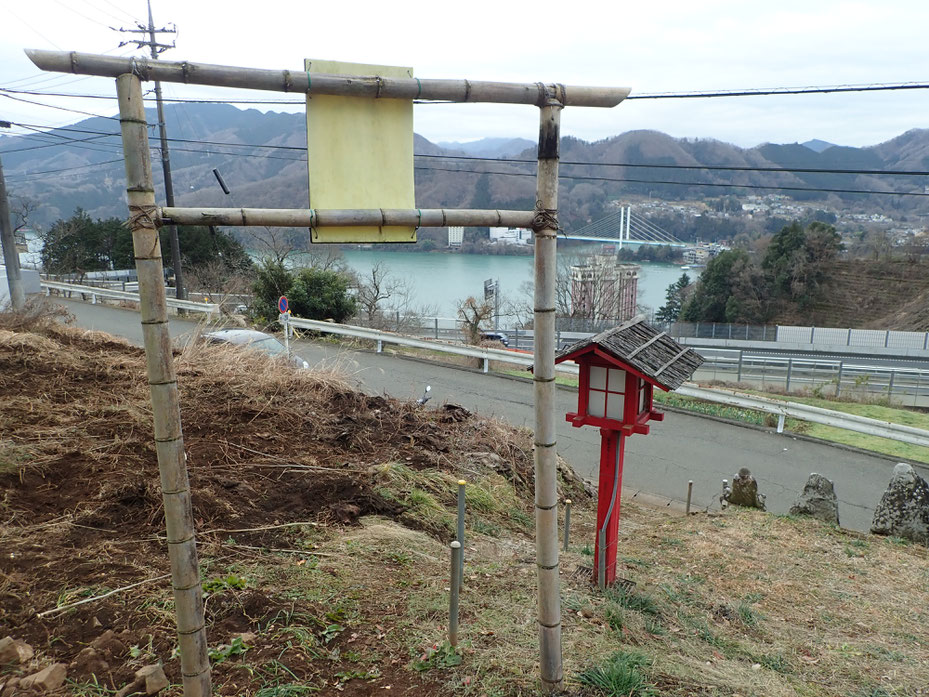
(677, 183)
(769, 91)
(3, 93)
(571, 163)
(66, 169)
(719, 168)
(742, 92)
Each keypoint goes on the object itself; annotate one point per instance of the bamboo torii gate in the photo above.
(145, 217)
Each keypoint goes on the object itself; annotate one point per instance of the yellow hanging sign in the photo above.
(360, 153)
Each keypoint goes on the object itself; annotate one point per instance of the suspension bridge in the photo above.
(623, 227)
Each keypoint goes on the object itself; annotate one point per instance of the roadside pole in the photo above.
(545, 228)
(14, 277)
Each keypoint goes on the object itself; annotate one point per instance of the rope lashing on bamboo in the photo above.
(140, 71)
(143, 217)
(545, 219)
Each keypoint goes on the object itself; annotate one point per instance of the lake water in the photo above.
(444, 280)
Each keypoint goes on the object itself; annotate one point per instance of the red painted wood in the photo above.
(610, 442)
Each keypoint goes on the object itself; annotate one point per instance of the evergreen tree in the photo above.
(674, 300)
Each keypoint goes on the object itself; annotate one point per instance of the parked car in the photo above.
(251, 339)
(496, 336)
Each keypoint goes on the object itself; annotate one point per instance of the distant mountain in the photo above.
(262, 157)
(817, 145)
(491, 147)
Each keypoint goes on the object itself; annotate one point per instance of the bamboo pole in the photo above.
(310, 218)
(169, 440)
(319, 83)
(545, 455)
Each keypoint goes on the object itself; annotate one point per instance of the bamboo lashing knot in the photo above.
(143, 217)
(419, 215)
(545, 218)
(419, 88)
(380, 83)
(140, 71)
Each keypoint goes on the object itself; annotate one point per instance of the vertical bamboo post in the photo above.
(545, 227)
(169, 440)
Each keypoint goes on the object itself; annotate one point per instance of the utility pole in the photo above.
(156, 49)
(14, 278)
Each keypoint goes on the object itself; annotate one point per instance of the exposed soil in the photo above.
(81, 506)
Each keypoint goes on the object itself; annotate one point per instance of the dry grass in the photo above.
(324, 518)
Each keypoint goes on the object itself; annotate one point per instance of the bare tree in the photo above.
(473, 315)
(217, 283)
(373, 288)
(274, 243)
(387, 301)
(21, 210)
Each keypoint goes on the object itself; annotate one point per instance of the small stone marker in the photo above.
(149, 680)
(744, 491)
(47, 679)
(904, 507)
(818, 500)
(14, 651)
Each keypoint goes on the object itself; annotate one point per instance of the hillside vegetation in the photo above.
(236, 142)
(324, 517)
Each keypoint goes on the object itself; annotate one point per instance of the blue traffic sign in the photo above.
(282, 304)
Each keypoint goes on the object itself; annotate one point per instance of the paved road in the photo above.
(680, 448)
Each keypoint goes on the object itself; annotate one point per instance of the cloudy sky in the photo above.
(652, 47)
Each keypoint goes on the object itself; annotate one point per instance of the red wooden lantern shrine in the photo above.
(619, 370)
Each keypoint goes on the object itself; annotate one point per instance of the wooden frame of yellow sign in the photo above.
(359, 153)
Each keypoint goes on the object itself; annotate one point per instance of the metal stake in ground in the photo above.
(453, 597)
(162, 380)
(461, 525)
(567, 523)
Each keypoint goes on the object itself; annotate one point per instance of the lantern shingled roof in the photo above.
(651, 352)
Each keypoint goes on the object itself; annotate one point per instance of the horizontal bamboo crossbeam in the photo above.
(312, 218)
(537, 93)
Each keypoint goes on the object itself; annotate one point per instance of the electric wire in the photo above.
(568, 163)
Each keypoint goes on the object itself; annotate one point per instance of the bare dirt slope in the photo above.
(267, 446)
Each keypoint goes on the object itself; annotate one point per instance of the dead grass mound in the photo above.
(268, 446)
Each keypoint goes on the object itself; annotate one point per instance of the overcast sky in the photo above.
(657, 46)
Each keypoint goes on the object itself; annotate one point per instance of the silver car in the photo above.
(259, 341)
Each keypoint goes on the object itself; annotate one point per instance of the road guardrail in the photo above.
(95, 292)
(782, 409)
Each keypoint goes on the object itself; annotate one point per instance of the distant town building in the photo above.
(455, 236)
(602, 288)
(504, 235)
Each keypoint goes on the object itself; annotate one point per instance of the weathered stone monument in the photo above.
(818, 500)
(744, 491)
(904, 507)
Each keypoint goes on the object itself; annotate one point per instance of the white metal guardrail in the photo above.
(783, 409)
(803, 412)
(95, 292)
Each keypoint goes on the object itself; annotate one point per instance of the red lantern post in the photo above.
(619, 369)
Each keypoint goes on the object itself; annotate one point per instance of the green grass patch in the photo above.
(621, 675)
